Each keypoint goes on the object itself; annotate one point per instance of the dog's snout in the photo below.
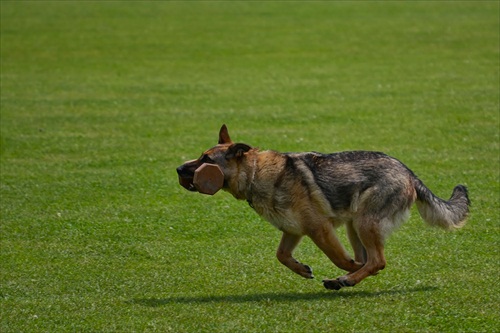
(185, 171)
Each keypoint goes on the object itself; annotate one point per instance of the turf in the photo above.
(100, 101)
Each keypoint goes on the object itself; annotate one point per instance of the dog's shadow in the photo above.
(273, 297)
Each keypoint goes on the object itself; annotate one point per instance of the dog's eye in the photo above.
(206, 159)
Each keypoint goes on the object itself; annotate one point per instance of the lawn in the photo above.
(101, 101)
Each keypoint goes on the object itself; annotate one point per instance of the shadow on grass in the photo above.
(275, 297)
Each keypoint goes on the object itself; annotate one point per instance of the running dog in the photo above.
(311, 194)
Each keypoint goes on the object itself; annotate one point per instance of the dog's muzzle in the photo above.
(186, 176)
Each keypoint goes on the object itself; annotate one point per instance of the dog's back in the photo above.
(361, 180)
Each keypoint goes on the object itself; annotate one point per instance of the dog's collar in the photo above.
(250, 186)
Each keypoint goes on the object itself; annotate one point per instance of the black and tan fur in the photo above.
(311, 194)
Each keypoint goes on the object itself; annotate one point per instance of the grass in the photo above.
(100, 101)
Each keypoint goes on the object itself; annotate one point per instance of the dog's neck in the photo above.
(263, 169)
(241, 183)
(255, 178)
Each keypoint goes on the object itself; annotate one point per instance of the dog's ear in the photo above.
(224, 135)
(237, 150)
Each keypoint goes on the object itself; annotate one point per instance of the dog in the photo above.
(311, 194)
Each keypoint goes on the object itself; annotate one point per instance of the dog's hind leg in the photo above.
(288, 243)
(372, 239)
(357, 246)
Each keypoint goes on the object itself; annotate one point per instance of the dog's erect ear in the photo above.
(224, 135)
(237, 150)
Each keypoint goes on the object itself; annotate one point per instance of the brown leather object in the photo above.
(208, 179)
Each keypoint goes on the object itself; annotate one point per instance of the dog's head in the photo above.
(194, 174)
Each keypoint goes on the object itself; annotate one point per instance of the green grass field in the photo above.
(100, 101)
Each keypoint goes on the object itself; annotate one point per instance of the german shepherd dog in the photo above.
(311, 194)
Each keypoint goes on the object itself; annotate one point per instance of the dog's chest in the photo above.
(283, 219)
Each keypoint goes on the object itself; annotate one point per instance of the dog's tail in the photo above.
(450, 214)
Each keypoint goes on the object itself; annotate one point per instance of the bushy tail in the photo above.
(450, 214)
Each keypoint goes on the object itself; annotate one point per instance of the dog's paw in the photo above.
(332, 284)
(345, 281)
(309, 272)
(336, 284)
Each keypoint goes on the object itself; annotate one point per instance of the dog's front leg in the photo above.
(288, 243)
(323, 235)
